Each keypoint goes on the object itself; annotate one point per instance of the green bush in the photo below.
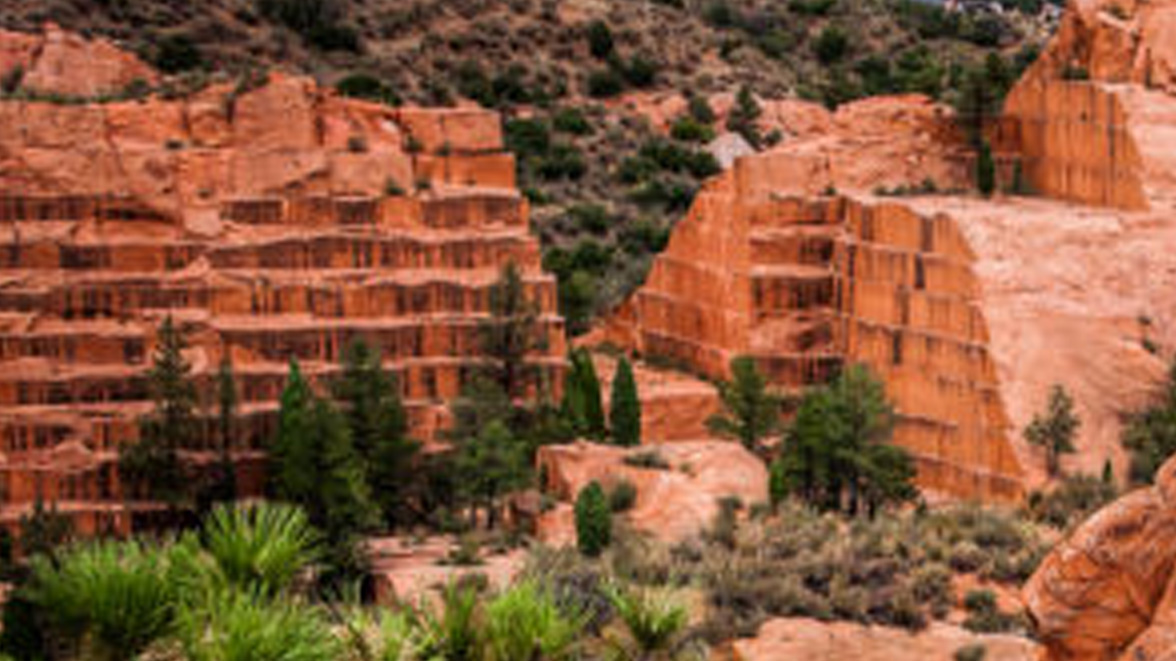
(571, 121)
(1071, 501)
(650, 459)
(605, 83)
(688, 129)
(600, 40)
(622, 496)
(593, 520)
(831, 45)
(562, 161)
(178, 53)
(365, 86)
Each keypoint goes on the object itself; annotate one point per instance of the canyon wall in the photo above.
(272, 222)
(805, 285)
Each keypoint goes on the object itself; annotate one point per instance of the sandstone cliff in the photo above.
(273, 222)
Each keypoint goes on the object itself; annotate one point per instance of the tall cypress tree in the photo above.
(582, 404)
(292, 470)
(221, 483)
(625, 408)
(370, 400)
(152, 468)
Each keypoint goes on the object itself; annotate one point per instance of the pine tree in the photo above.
(836, 453)
(1055, 429)
(292, 462)
(624, 414)
(152, 468)
(511, 334)
(750, 412)
(223, 480)
(582, 404)
(593, 520)
(370, 400)
(491, 464)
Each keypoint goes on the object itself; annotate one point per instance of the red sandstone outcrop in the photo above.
(1107, 592)
(673, 503)
(811, 640)
(1114, 41)
(804, 285)
(60, 62)
(406, 571)
(273, 223)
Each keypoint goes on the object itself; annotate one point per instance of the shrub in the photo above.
(688, 129)
(650, 459)
(605, 83)
(622, 497)
(973, 652)
(178, 53)
(590, 218)
(365, 86)
(563, 161)
(527, 137)
(600, 40)
(985, 170)
(639, 71)
(571, 121)
(593, 520)
(831, 45)
(1071, 501)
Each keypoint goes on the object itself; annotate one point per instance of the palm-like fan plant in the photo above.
(524, 623)
(113, 598)
(654, 627)
(263, 547)
(247, 625)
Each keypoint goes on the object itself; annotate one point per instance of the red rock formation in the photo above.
(673, 503)
(1107, 592)
(261, 220)
(67, 64)
(803, 286)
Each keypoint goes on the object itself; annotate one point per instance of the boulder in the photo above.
(673, 503)
(1107, 591)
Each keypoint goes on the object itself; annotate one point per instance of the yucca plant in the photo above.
(525, 624)
(112, 598)
(654, 627)
(248, 625)
(261, 547)
(380, 635)
(450, 632)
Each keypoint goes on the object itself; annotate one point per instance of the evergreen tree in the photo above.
(370, 399)
(491, 464)
(152, 467)
(582, 406)
(222, 481)
(835, 453)
(985, 170)
(511, 334)
(593, 520)
(750, 412)
(624, 414)
(1150, 436)
(1054, 430)
(744, 115)
(292, 460)
(43, 530)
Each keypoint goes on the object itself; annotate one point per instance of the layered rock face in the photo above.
(1091, 119)
(273, 223)
(806, 285)
(1107, 592)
